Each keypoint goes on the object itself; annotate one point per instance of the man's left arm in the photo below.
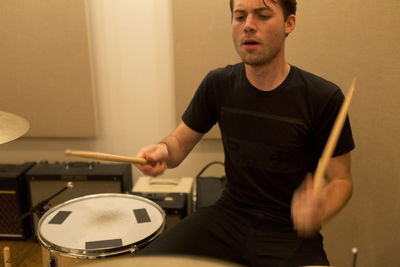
(310, 208)
(339, 187)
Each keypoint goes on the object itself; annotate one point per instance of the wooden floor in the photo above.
(24, 253)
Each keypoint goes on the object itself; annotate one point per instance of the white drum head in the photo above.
(101, 225)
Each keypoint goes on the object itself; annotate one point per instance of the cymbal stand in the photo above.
(40, 208)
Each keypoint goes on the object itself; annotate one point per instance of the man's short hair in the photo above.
(289, 6)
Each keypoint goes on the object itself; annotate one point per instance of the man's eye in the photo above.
(264, 16)
(239, 18)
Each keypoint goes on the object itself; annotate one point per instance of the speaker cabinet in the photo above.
(13, 201)
(88, 178)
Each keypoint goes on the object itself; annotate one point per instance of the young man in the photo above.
(274, 120)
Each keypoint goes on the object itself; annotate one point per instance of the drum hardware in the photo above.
(354, 251)
(42, 207)
(11, 127)
(52, 262)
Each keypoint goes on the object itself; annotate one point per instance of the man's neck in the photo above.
(269, 76)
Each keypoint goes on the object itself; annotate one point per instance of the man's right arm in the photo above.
(170, 152)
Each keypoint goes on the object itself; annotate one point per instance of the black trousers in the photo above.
(239, 235)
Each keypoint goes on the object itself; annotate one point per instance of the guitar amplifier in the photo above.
(46, 179)
(173, 195)
(13, 200)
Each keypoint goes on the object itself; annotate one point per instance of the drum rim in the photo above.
(99, 253)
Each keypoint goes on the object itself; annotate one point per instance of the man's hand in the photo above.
(157, 155)
(307, 209)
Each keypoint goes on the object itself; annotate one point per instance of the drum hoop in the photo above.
(99, 253)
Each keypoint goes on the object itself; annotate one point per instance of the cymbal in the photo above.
(11, 127)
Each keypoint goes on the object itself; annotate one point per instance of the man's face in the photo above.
(259, 31)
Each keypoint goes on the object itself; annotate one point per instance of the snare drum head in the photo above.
(100, 225)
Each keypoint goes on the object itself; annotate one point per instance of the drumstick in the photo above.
(104, 156)
(7, 257)
(332, 140)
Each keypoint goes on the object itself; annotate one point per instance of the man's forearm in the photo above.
(336, 195)
(180, 143)
(176, 151)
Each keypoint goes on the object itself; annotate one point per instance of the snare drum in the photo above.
(98, 226)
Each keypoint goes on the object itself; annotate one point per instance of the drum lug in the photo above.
(133, 249)
(52, 261)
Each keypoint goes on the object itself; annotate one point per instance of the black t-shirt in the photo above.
(271, 139)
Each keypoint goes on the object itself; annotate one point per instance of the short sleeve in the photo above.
(327, 119)
(201, 114)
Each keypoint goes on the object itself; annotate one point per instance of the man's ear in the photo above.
(290, 24)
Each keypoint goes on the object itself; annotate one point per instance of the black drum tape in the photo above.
(141, 216)
(103, 244)
(60, 217)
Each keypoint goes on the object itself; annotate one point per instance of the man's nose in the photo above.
(250, 25)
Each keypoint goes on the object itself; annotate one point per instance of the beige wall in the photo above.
(338, 39)
(46, 67)
(134, 84)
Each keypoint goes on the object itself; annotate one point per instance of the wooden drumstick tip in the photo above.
(67, 152)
